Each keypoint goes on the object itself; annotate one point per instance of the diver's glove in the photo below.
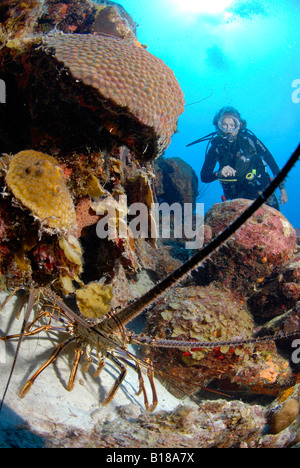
(283, 196)
(227, 171)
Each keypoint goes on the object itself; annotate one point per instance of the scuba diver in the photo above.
(242, 159)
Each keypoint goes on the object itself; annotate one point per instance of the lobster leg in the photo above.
(119, 380)
(150, 374)
(25, 389)
(142, 388)
(78, 354)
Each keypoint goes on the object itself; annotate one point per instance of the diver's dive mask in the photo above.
(229, 126)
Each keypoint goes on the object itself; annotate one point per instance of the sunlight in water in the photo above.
(201, 6)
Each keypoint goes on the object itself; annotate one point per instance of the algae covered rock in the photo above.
(212, 314)
(279, 293)
(176, 181)
(257, 249)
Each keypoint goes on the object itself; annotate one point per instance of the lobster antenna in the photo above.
(201, 100)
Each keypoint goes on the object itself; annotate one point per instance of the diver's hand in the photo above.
(283, 196)
(227, 171)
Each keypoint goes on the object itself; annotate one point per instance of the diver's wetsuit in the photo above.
(248, 156)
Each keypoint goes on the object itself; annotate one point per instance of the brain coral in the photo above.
(37, 181)
(127, 76)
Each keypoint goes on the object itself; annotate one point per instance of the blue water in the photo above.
(248, 54)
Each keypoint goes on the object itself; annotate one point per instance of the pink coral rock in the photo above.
(263, 244)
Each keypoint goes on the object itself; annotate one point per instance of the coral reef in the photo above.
(133, 83)
(18, 19)
(105, 89)
(85, 141)
(76, 155)
(223, 302)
